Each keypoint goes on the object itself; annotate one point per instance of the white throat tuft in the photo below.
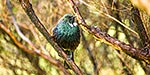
(72, 25)
(75, 24)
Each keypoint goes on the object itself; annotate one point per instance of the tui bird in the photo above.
(67, 35)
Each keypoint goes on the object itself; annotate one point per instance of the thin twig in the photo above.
(113, 18)
(16, 25)
(116, 15)
(90, 54)
(27, 40)
(140, 27)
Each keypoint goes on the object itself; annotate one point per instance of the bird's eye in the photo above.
(69, 17)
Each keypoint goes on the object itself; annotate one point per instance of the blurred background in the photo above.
(91, 56)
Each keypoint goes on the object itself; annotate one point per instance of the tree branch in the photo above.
(139, 54)
(34, 51)
(30, 12)
(140, 27)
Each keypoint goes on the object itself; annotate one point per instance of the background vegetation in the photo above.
(106, 60)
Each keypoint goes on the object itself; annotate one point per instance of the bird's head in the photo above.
(70, 19)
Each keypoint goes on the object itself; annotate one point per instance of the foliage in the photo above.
(14, 61)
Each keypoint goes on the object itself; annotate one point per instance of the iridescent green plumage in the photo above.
(67, 34)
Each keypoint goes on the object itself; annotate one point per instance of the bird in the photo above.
(67, 35)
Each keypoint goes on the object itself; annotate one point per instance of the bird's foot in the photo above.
(70, 54)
